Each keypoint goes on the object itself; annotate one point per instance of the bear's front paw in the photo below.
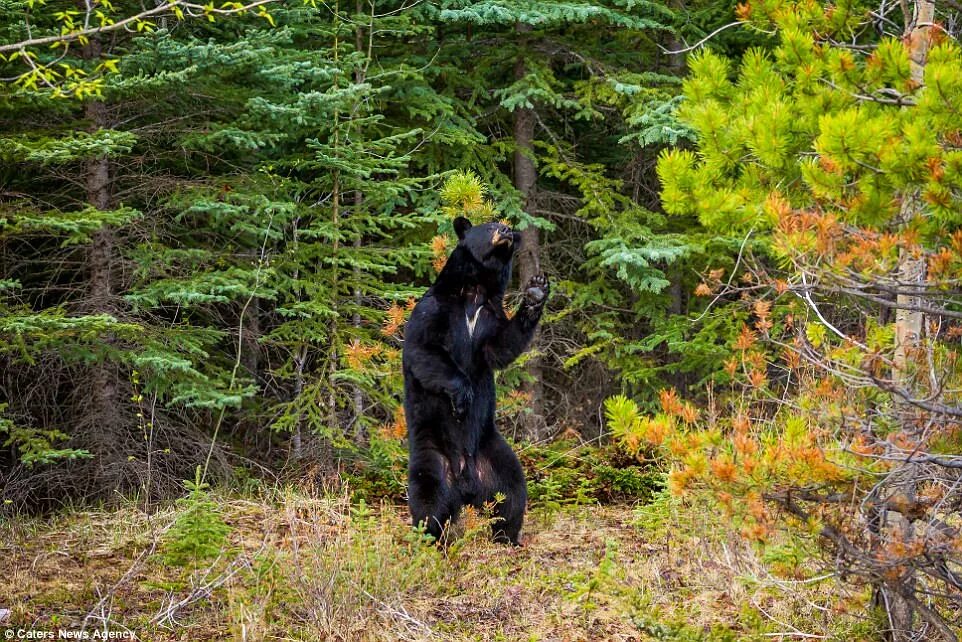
(461, 400)
(536, 292)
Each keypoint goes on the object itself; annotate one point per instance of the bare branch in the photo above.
(120, 24)
(931, 406)
(708, 37)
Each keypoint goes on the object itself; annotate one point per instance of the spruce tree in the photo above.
(353, 163)
(116, 325)
(536, 88)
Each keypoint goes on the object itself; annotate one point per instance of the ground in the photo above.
(292, 565)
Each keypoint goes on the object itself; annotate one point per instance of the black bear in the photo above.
(457, 336)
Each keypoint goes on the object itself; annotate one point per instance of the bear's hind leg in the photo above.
(432, 497)
(500, 472)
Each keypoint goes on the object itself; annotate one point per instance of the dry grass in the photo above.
(308, 568)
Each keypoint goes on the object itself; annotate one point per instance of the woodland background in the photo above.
(214, 220)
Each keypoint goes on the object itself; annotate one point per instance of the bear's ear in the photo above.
(461, 226)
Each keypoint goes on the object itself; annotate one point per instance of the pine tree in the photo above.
(839, 153)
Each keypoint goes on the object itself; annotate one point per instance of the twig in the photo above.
(707, 38)
(240, 341)
(731, 277)
(806, 296)
(147, 552)
(76, 35)
(205, 590)
(400, 613)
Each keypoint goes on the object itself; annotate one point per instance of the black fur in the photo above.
(457, 457)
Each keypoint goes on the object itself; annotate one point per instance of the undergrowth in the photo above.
(561, 473)
(286, 564)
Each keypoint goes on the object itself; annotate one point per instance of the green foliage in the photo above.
(807, 129)
(679, 631)
(76, 226)
(602, 577)
(199, 534)
(543, 14)
(241, 212)
(462, 194)
(835, 159)
(565, 473)
(658, 124)
(68, 149)
(36, 446)
(378, 470)
(41, 51)
(657, 516)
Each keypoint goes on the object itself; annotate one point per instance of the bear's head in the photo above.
(491, 245)
(482, 258)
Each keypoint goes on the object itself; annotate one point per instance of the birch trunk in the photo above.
(909, 327)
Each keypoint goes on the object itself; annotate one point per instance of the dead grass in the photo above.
(317, 568)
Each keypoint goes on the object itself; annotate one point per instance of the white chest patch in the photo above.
(472, 321)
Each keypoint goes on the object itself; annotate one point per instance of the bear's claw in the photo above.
(536, 292)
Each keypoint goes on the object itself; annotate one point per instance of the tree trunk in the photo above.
(297, 441)
(676, 62)
(909, 326)
(102, 420)
(357, 396)
(676, 306)
(97, 178)
(251, 327)
(333, 355)
(529, 263)
(909, 323)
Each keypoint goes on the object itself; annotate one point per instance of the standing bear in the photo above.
(457, 336)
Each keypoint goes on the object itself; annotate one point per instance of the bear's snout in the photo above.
(502, 236)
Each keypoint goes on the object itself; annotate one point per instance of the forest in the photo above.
(740, 416)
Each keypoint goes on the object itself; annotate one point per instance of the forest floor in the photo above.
(299, 567)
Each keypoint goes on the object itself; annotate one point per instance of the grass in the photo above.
(299, 566)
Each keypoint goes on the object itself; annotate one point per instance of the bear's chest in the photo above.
(478, 322)
(471, 323)
(472, 326)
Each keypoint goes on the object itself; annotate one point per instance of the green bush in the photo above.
(199, 534)
(566, 472)
(559, 473)
(378, 470)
